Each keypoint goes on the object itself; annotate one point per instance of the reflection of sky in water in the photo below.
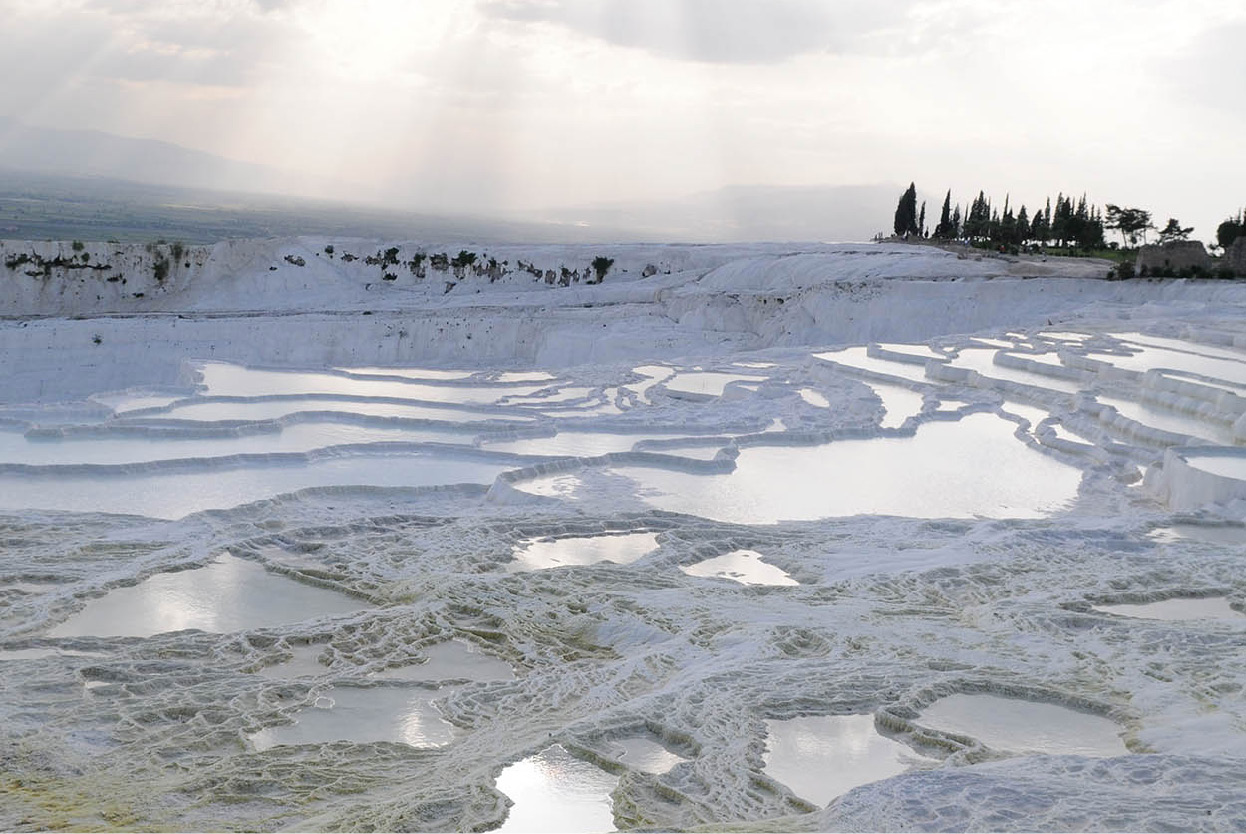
(820, 758)
(556, 792)
(898, 403)
(1231, 368)
(1224, 465)
(743, 566)
(1165, 420)
(363, 715)
(982, 361)
(15, 447)
(644, 754)
(1178, 608)
(229, 595)
(973, 466)
(452, 660)
(574, 443)
(272, 409)
(856, 357)
(707, 382)
(221, 379)
(814, 398)
(619, 549)
(413, 373)
(176, 494)
(1025, 726)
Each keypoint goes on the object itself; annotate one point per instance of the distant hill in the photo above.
(749, 213)
(91, 153)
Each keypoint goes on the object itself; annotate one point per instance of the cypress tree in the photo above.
(944, 230)
(906, 213)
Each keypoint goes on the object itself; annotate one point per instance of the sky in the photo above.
(494, 106)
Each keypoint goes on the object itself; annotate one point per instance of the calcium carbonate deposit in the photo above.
(835, 537)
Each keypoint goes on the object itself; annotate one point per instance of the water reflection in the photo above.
(229, 595)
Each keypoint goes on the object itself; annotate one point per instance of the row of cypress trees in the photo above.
(1068, 223)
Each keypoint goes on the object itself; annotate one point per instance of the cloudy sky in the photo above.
(503, 105)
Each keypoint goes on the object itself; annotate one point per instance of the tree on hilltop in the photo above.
(1231, 229)
(1174, 231)
(944, 230)
(1130, 222)
(906, 213)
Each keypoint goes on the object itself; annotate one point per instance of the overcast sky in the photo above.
(510, 104)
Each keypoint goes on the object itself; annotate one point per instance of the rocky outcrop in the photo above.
(1175, 257)
(1235, 257)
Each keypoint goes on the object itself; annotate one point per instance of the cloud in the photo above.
(717, 31)
(1210, 70)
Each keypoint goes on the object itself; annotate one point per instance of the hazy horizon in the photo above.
(512, 108)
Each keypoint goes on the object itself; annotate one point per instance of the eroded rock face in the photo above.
(1178, 255)
(1235, 257)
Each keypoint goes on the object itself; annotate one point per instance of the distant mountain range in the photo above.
(749, 213)
(92, 153)
(735, 213)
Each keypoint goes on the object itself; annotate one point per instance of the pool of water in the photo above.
(177, 494)
(1173, 421)
(223, 379)
(856, 357)
(1227, 466)
(574, 443)
(924, 351)
(544, 554)
(271, 409)
(982, 360)
(453, 660)
(228, 595)
(364, 714)
(743, 566)
(555, 792)
(304, 662)
(16, 447)
(1148, 356)
(1020, 726)
(899, 403)
(413, 373)
(956, 469)
(814, 398)
(711, 383)
(1178, 608)
(822, 757)
(645, 754)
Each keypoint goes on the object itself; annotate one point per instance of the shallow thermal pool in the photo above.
(230, 594)
(970, 467)
(223, 379)
(16, 447)
(555, 792)
(744, 566)
(175, 494)
(821, 757)
(1020, 726)
(644, 754)
(399, 714)
(1177, 609)
(544, 554)
(1228, 466)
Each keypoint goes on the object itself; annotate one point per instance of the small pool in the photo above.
(230, 594)
(362, 715)
(743, 566)
(555, 792)
(822, 757)
(544, 554)
(1177, 609)
(1021, 726)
